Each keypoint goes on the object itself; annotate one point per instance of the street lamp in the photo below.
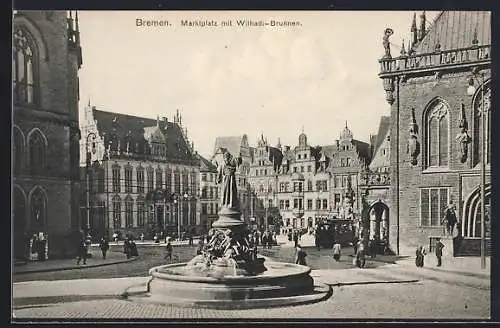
(471, 89)
(178, 202)
(87, 169)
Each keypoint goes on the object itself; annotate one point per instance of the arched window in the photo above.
(478, 128)
(37, 150)
(141, 212)
(38, 207)
(437, 134)
(18, 151)
(117, 212)
(23, 59)
(129, 212)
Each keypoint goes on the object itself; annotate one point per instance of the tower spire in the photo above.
(414, 30)
(403, 50)
(77, 29)
(422, 26)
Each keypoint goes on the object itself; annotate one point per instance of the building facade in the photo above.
(295, 188)
(209, 194)
(46, 59)
(439, 91)
(374, 188)
(142, 175)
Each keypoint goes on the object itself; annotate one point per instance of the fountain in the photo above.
(229, 273)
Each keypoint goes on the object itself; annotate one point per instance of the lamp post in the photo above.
(471, 91)
(87, 169)
(177, 200)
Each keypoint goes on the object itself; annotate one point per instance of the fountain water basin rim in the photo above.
(275, 271)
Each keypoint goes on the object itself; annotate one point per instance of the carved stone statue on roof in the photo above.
(386, 43)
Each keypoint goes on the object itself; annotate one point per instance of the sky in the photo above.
(228, 81)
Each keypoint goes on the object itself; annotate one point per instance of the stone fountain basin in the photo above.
(281, 284)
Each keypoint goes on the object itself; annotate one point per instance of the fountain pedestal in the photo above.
(228, 273)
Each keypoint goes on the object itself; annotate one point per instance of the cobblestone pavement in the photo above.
(149, 257)
(423, 300)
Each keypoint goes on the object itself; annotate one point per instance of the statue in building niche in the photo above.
(413, 143)
(463, 137)
(386, 43)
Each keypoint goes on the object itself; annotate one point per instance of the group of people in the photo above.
(294, 235)
(420, 253)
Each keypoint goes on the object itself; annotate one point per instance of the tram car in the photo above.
(335, 230)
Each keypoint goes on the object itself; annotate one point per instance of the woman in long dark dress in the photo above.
(301, 256)
(419, 258)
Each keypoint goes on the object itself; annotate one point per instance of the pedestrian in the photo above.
(336, 251)
(296, 238)
(449, 218)
(126, 248)
(360, 258)
(115, 238)
(355, 242)
(133, 248)
(371, 248)
(201, 243)
(141, 236)
(169, 250)
(300, 257)
(439, 251)
(104, 246)
(190, 239)
(419, 256)
(317, 240)
(81, 249)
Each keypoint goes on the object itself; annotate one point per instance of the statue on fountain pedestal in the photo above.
(226, 176)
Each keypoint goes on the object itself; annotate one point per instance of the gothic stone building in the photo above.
(45, 62)
(439, 92)
(143, 174)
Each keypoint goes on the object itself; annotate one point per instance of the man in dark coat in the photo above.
(439, 251)
(450, 218)
(81, 249)
(104, 246)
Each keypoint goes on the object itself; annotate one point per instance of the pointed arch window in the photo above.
(23, 67)
(18, 151)
(477, 129)
(38, 206)
(141, 212)
(37, 151)
(117, 212)
(437, 135)
(129, 212)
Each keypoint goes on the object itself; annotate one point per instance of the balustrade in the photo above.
(436, 59)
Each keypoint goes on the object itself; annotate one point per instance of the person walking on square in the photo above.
(300, 257)
(419, 259)
(336, 251)
(360, 258)
(449, 218)
(169, 250)
(317, 240)
(439, 251)
(296, 238)
(104, 246)
(81, 249)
